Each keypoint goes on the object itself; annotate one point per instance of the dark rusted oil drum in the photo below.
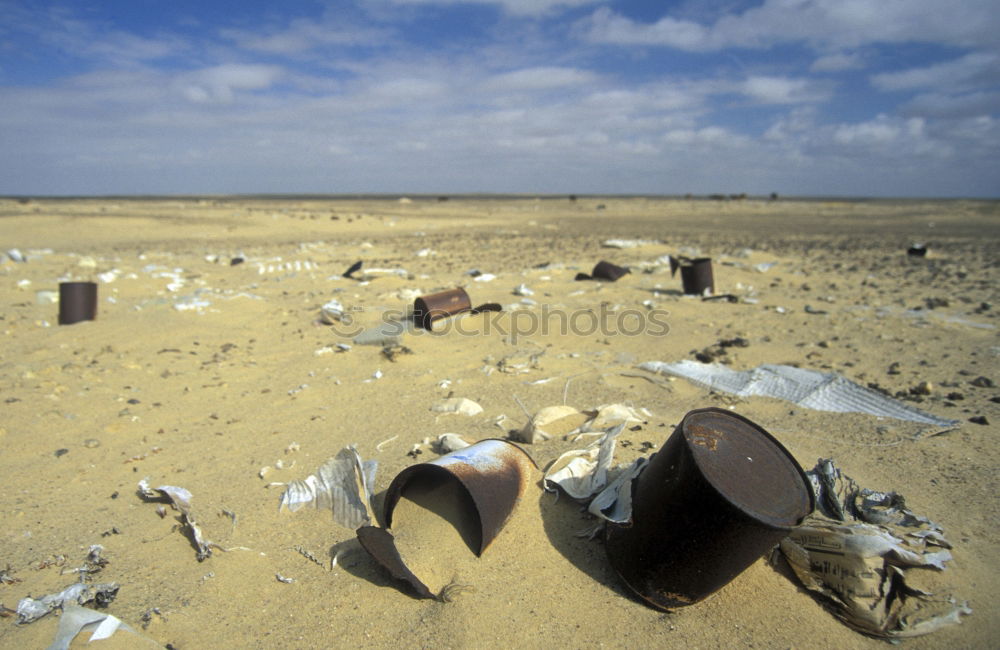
(77, 302)
(718, 495)
(427, 309)
(697, 276)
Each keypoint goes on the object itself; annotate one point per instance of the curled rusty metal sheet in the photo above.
(718, 495)
(492, 473)
(381, 546)
(604, 270)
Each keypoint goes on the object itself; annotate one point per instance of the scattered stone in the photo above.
(979, 419)
(894, 368)
(60, 452)
(955, 396)
(934, 303)
(983, 382)
(923, 388)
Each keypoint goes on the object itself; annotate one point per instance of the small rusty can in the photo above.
(77, 302)
(697, 276)
(427, 309)
(718, 495)
(607, 271)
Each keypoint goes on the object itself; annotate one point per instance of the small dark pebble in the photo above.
(134, 401)
(114, 495)
(983, 382)
(11, 400)
(955, 396)
(995, 399)
(236, 261)
(637, 427)
(894, 368)
(979, 419)
(61, 452)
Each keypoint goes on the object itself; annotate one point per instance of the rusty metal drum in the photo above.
(720, 493)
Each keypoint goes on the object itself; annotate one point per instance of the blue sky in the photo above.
(800, 97)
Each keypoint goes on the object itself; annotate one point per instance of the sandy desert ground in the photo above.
(199, 373)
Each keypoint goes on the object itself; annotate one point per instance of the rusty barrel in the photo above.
(718, 495)
(77, 302)
(427, 309)
(697, 276)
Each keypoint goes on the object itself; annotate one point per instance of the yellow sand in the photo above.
(206, 397)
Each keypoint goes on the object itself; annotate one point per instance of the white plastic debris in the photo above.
(856, 550)
(332, 312)
(76, 619)
(460, 405)
(385, 333)
(484, 277)
(550, 422)
(614, 503)
(581, 473)
(609, 415)
(31, 609)
(16, 255)
(807, 388)
(523, 290)
(449, 442)
(191, 303)
(46, 297)
(343, 484)
(181, 500)
(628, 243)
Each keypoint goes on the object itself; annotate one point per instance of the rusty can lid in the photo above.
(748, 467)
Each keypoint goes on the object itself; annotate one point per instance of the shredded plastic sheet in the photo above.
(343, 484)
(807, 388)
(31, 609)
(857, 550)
(76, 619)
(564, 420)
(181, 499)
(581, 473)
(614, 503)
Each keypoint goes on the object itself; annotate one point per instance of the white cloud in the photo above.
(838, 62)
(515, 7)
(970, 70)
(218, 83)
(302, 35)
(780, 90)
(709, 135)
(539, 78)
(945, 106)
(820, 23)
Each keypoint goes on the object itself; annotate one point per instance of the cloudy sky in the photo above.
(800, 97)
